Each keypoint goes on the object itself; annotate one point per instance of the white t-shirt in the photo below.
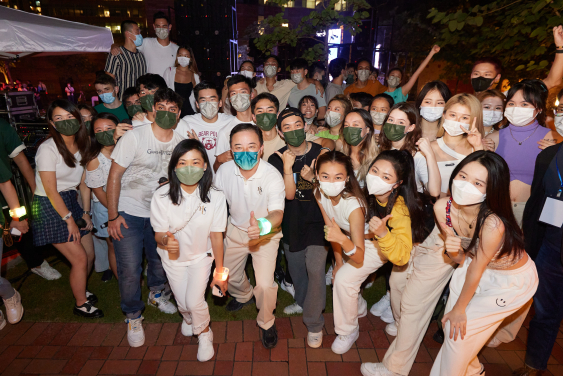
(341, 212)
(420, 171)
(224, 136)
(99, 177)
(146, 160)
(203, 218)
(48, 158)
(158, 57)
(264, 192)
(138, 123)
(207, 132)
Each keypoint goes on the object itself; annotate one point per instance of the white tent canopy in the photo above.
(23, 33)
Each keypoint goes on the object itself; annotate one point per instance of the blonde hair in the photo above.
(475, 109)
(345, 102)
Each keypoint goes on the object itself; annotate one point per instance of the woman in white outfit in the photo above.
(189, 217)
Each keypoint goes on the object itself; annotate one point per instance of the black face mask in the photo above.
(481, 83)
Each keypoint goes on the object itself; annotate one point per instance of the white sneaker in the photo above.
(14, 308)
(46, 271)
(2, 321)
(369, 285)
(387, 316)
(205, 350)
(135, 332)
(391, 329)
(160, 300)
(187, 329)
(342, 344)
(315, 340)
(495, 342)
(293, 309)
(288, 287)
(376, 369)
(328, 276)
(378, 308)
(362, 307)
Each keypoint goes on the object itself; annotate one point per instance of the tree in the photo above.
(319, 21)
(5, 70)
(518, 32)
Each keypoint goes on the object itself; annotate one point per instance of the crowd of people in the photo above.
(444, 190)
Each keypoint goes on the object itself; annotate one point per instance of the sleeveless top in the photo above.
(519, 148)
(446, 168)
(496, 263)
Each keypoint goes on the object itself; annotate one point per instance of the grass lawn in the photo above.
(53, 301)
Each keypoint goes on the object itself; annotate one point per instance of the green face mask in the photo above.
(106, 137)
(165, 119)
(353, 135)
(135, 109)
(87, 124)
(147, 102)
(295, 138)
(189, 175)
(266, 121)
(67, 127)
(394, 132)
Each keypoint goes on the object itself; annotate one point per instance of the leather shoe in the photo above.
(527, 371)
(269, 337)
(234, 305)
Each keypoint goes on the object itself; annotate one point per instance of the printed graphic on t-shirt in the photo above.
(303, 188)
(208, 139)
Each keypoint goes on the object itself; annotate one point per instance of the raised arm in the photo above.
(555, 75)
(408, 86)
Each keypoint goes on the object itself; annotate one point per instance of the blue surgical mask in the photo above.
(246, 159)
(138, 40)
(107, 98)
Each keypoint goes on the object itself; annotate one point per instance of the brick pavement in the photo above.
(101, 349)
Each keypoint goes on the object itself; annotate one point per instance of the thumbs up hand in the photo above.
(378, 226)
(333, 233)
(172, 244)
(253, 229)
(452, 242)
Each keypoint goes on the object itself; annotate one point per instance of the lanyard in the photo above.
(559, 173)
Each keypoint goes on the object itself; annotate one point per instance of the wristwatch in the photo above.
(88, 212)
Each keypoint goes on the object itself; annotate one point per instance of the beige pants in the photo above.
(264, 252)
(518, 210)
(431, 272)
(397, 283)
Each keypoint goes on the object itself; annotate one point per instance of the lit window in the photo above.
(38, 3)
(38, 9)
(285, 25)
(106, 13)
(108, 27)
(311, 4)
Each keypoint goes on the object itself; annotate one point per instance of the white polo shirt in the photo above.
(263, 193)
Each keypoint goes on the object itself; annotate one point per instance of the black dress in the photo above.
(185, 90)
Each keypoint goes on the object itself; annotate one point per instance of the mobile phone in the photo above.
(217, 291)
(14, 231)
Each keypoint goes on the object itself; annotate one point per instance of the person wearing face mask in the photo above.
(189, 216)
(255, 193)
(308, 106)
(265, 109)
(524, 138)
(206, 125)
(302, 225)
(431, 102)
(141, 101)
(130, 63)
(248, 70)
(361, 100)
(132, 103)
(183, 77)
(298, 73)
(317, 71)
(359, 142)
(363, 83)
(461, 133)
(97, 163)
(493, 102)
(240, 95)
(378, 110)
(337, 69)
(107, 90)
(140, 159)
(55, 209)
(88, 114)
(337, 110)
(160, 53)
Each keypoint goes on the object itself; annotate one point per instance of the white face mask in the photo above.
(297, 78)
(363, 74)
(491, 117)
(377, 117)
(240, 102)
(161, 32)
(465, 193)
(332, 189)
(309, 121)
(519, 116)
(209, 109)
(559, 123)
(376, 185)
(333, 118)
(270, 70)
(452, 127)
(183, 61)
(431, 114)
(393, 81)
(247, 74)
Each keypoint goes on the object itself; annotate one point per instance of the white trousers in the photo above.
(397, 284)
(188, 283)
(347, 288)
(500, 293)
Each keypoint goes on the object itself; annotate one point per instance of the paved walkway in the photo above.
(91, 349)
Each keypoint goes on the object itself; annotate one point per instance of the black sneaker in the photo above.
(107, 276)
(92, 299)
(234, 305)
(269, 337)
(88, 310)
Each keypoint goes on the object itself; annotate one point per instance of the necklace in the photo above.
(520, 142)
(465, 220)
(304, 154)
(492, 131)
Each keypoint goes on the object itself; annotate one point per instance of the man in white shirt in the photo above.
(298, 73)
(239, 89)
(140, 160)
(206, 125)
(160, 52)
(255, 193)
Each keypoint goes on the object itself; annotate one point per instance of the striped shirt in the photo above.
(126, 67)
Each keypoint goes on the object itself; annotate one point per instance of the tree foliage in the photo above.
(517, 32)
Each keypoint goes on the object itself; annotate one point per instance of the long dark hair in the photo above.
(95, 147)
(497, 202)
(352, 187)
(81, 137)
(534, 92)
(192, 65)
(403, 164)
(412, 137)
(369, 148)
(204, 184)
(439, 86)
